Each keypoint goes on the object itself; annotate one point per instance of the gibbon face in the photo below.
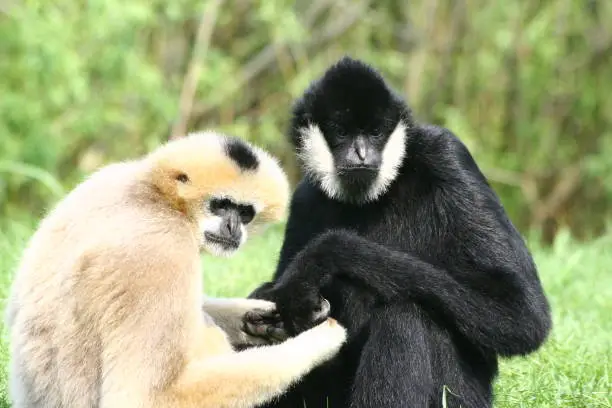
(223, 225)
(225, 185)
(350, 132)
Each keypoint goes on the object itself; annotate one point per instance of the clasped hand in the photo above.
(299, 307)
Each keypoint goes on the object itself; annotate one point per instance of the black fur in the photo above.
(241, 153)
(351, 96)
(432, 280)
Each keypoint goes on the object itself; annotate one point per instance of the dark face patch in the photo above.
(232, 215)
(223, 206)
(241, 153)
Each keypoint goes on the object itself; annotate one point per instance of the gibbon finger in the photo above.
(274, 332)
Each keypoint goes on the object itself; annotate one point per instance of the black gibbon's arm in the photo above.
(492, 294)
(499, 309)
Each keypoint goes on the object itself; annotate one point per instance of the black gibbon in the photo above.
(397, 227)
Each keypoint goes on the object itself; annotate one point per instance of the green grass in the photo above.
(571, 370)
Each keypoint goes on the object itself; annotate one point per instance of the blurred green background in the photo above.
(525, 84)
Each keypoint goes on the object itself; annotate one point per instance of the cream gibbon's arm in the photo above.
(256, 375)
(208, 372)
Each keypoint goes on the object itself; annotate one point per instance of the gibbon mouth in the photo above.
(362, 167)
(357, 170)
(223, 241)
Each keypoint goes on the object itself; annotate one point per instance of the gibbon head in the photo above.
(350, 129)
(224, 184)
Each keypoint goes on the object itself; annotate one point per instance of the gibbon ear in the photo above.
(182, 178)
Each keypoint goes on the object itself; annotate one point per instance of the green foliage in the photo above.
(572, 370)
(524, 84)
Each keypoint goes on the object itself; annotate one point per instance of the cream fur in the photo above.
(105, 309)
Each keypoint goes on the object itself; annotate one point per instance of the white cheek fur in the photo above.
(244, 235)
(209, 223)
(392, 158)
(318, 161)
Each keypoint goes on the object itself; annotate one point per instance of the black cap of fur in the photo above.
(241, 153)
(351, 97)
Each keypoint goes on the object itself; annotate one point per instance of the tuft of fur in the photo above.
(105, 309)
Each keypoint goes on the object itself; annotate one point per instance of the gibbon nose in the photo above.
(358, 152)
(361, 148)
(362, 154)
(231, 225)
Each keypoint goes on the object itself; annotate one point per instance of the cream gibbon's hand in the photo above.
(298, 309)
(264, 324)
(247, 322)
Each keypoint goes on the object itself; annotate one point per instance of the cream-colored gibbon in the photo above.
(106, 307)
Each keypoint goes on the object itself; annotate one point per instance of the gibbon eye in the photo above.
(218, 205)
(377, 137)
(247, 213)
(341, 137)
(182, 177)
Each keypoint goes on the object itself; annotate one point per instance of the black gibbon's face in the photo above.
(350, 131)
(357, 153)
(224, 225)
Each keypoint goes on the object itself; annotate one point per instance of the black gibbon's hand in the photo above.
(301, 307)
(263, 292)
(266, 324)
